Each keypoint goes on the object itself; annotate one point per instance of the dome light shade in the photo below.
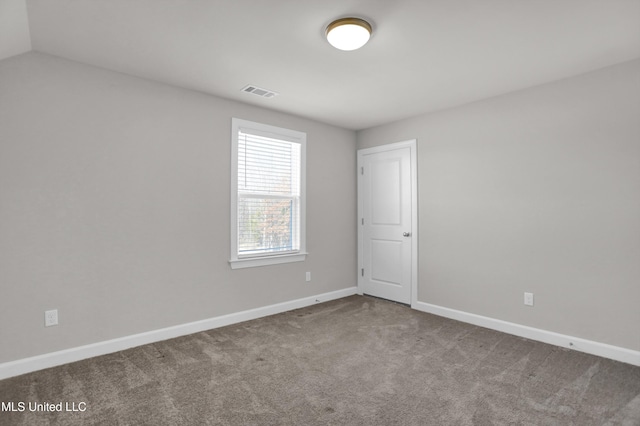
(348, 33)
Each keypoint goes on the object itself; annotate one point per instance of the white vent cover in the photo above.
(258, 91)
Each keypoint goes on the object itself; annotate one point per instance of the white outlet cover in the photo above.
(50, 318)
(528, 299)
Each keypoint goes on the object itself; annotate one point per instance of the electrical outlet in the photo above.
(50, 318)
(308, 276)
(528, 299)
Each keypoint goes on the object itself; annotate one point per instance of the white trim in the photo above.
(617, 353)
(289, 135)
(27, 365)
(250, 262)
(413, 154)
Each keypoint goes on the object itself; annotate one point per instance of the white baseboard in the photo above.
(27, 365)
(588, 346)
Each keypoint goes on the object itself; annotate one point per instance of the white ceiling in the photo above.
(424, 55)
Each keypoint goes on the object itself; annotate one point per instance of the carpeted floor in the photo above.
(354, 361)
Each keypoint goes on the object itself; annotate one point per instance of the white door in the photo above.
(386, 206)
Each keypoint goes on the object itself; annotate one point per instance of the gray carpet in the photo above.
(354, 361)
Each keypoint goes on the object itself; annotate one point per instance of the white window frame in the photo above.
(247, 261)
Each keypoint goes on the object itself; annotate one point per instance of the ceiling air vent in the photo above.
(259, 91)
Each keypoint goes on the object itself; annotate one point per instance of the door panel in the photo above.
(388, 255)
(385, 192)
(386, 208)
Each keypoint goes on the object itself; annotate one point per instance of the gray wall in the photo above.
(114, 207)
(14, 28)
(539, 191)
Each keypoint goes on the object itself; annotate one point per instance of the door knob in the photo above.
(406, 234)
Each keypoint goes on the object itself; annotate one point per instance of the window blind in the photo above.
(268, 195)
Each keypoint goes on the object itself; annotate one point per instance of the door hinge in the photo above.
(361, 170)
(362, 272)
(363, 220)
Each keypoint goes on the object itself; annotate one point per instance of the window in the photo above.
(267, 194)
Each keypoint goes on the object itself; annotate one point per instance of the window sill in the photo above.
(252, 262)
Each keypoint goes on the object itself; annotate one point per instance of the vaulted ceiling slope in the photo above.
(424, 55)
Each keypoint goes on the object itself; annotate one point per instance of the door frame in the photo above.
(413, 162)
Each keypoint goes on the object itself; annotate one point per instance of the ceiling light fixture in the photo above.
(348, 33)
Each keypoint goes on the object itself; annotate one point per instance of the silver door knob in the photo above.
(406, 234)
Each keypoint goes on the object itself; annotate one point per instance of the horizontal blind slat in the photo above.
(266, 167)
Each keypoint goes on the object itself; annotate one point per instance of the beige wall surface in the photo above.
(114, 207)
(536, 191)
